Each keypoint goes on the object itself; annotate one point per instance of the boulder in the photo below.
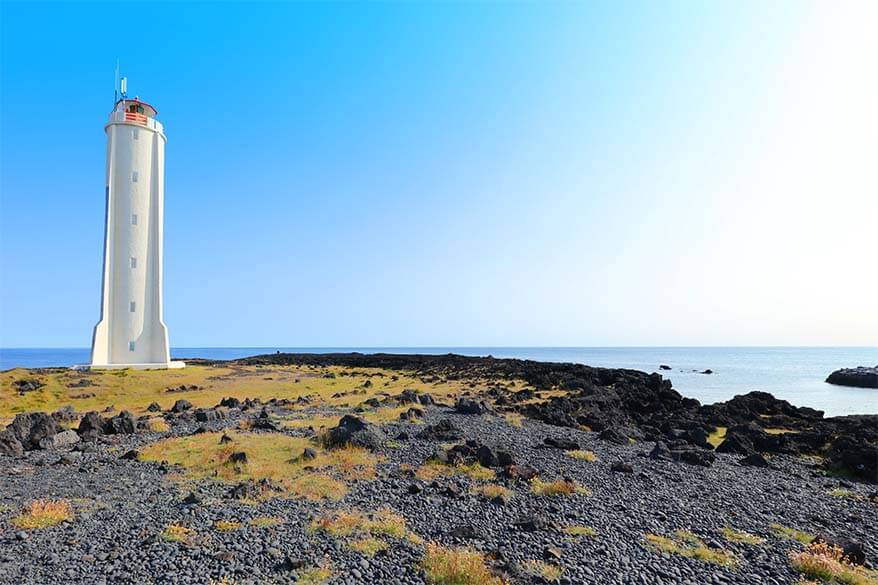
(854, 456)
(621, 467)
(853, 551)
(754, 460)
(66, 414)
(121, 424)
(471, 406)
(181, 406)
(208, 415)
(520, 472)
(444, 430)
(614, 435)
(661, 451)
(352, 430)
(560, 443)
(27, 385)
(91, 426)
(10, 445)
(861, 377)
(32, 427)
(230, 402)
(154, 407)
(60, 440)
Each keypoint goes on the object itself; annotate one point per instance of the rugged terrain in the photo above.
(410, 469)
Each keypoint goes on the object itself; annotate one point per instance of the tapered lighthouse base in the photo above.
(174, 365)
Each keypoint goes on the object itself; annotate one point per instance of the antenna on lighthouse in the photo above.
(123, 87)
(116, 84)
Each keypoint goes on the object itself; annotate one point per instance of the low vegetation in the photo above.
(178, 533)
(559, 487)
(844, 494)
(434, 469)
(741, 537)
(226, 525)
(542, 570)
(368, 546)
(364, 529)
(313, 576)
(266, 521)
(455, 566)
(493, 490)
(271, 456)
(43, 514)
(582, 455)
(792, 533)
(686, 544)
(717, 437)
(581, 531)
(825, 563)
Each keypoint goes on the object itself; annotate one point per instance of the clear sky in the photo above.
(529, 173)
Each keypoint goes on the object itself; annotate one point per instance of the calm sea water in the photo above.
(796, 374)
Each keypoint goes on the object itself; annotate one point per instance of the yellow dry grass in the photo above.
(226, 525)
(178, 533)
(313, 576)
(134, 390)
(543, 570)
(43, 514)
(581, 531)
(434, 469)
(717, 437)
(826, 564)
(559, 487)
(266, 521)
(448, 566)
(384, 522)
(688, 545)
(792, 533)
(368, 546)
(492, 490)
(582, 455)
(270, 456)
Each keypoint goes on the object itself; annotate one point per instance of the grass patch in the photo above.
(844, 494)
(134, 390)
(226, 525)
(270, 456)
(493, 490)
(313, 576)
(158, 425)
(43, 514)
(559, 487)
(826, 564)
(688, 545)
(514, 419)
(368, 546)
(177, 533)
(582, 455)
(384, 522)
(717, 437)
(792, 533)
(266, 521)
(434, 469)
(581, 531)
(741, 537)
(543, 570)
(447, 566)
(779, 431)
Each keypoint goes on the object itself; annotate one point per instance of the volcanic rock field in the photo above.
(353, 468)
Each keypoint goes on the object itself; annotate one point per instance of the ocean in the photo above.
(795, 374)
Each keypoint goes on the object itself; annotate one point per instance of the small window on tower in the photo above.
(134, 177)
(132, 306)
(133, 262)
(130, 346)
(135, 132)
(133, 219)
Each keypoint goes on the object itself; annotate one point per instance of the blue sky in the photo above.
(367, 174)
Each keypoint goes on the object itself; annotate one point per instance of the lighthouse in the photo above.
(131, 332)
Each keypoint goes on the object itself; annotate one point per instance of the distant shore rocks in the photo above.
(861, 377)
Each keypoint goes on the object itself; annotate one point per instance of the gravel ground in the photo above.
(122, 506)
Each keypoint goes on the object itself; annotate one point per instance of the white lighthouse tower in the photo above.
(131, 332)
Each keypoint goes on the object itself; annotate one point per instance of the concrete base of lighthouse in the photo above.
(173, 365)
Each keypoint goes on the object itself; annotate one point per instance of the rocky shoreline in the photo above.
(466, 465)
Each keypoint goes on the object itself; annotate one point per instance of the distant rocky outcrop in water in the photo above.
(861, 377)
